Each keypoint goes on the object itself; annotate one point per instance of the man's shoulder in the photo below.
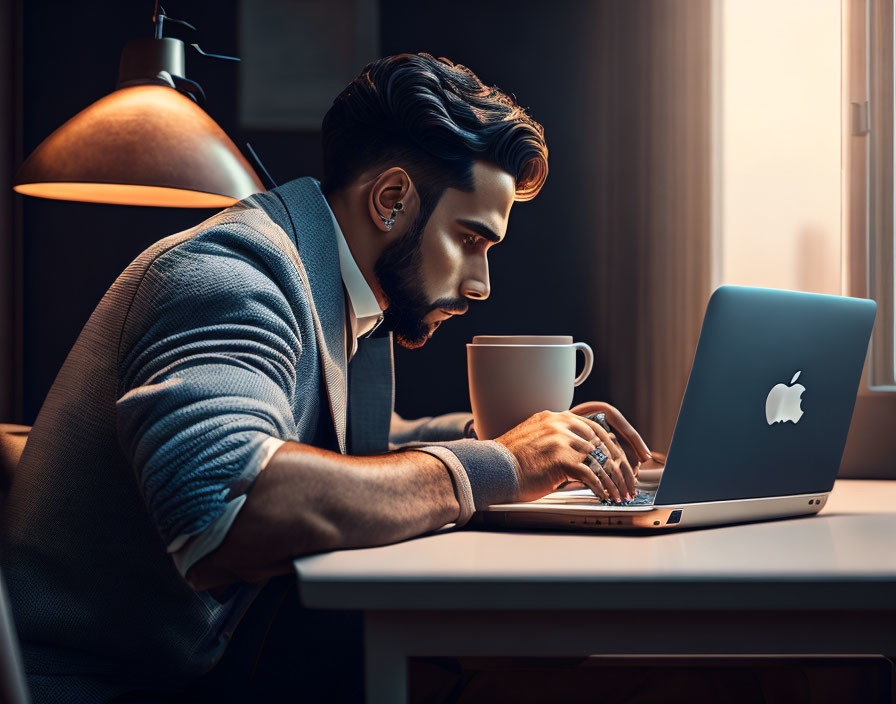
(234, 266)
(243, 226)
(242, 233)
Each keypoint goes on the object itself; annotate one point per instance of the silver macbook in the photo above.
(762, 426)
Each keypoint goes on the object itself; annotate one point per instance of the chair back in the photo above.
(12, 675)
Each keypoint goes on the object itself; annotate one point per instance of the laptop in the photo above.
(762, 426)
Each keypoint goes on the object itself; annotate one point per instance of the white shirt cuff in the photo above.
(187, 549)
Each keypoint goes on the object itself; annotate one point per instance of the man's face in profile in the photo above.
(437, 266)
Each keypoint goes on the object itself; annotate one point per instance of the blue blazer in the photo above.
(211, 341)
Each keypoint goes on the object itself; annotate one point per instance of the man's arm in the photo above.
(208, 377)
(311, 500)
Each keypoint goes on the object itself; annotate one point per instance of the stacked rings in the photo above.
(600, 456)
(597, 453)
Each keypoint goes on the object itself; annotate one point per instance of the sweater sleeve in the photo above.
(484, 472)
(206, 376)
(451, 426)
(491, 471)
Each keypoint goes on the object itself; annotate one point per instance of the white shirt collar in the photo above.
(363, 310)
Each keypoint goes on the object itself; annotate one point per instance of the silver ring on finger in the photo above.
(602, 477)
(601, 456)
(601, 420)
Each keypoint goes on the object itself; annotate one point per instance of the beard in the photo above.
(399, 272)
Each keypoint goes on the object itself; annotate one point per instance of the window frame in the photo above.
(879, 198)
(871, 444)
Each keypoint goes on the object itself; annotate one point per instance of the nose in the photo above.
(477, 287)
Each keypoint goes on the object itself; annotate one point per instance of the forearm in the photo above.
(311, 500)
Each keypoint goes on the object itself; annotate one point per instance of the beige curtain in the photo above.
(652, 203)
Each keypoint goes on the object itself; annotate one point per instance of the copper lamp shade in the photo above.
(140, 145)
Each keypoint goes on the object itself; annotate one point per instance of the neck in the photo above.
(354, 221)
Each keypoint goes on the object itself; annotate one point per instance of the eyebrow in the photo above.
(481, 229)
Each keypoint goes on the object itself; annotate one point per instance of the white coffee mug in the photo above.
(513, 377)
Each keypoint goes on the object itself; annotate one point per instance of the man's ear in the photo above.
(391, 187)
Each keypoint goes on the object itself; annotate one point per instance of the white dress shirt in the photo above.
(363, 315)
(363, 311)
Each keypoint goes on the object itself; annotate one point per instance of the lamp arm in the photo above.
(258, 163)
(214, 56)
(159, 18)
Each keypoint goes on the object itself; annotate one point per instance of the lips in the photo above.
(449, 313)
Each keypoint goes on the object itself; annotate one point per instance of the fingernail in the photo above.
(628, 497)
(618, 501)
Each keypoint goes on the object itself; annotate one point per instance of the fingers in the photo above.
(580, 427)
(587, 408)
(622, 474)
(611, 487)
(618, 422)
(612, 448)
(606, 479)
(579, 443)
(616, 477)
(610, 490)
(619, 468)
(631, 476)
(584, 474)
(629, 454)
(627, 473)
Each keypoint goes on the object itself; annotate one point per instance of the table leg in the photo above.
(385, 661)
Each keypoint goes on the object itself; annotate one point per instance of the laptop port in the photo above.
(674, 517)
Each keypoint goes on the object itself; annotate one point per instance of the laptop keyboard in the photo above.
(586, 496)
(644, 498)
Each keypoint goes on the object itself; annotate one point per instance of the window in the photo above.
(803, 146)
(777, 144)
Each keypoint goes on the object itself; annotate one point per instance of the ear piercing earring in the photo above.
(390, 221)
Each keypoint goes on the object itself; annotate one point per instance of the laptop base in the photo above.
(552, 511)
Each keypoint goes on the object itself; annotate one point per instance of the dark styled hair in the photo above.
(434, 119)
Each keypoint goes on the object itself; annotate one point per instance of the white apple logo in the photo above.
(783, 402)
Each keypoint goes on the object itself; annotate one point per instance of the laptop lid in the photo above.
(770, 396)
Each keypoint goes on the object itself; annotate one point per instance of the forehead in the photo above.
(489, 202)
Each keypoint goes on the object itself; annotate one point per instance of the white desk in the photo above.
(817, 585)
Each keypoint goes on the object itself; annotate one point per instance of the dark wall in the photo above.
(540, 274)
(73, 251)
(10, 214)
(543, 277)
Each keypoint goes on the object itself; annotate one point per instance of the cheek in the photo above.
(442, 263)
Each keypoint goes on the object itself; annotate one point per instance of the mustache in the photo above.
(458, 306)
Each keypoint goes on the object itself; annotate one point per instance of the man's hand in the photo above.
(552, 448)
(635, 449)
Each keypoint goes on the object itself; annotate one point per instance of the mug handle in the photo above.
(589, 362)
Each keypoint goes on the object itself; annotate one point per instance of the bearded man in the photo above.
(228, 406)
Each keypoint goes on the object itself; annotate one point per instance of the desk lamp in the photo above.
(147, 143)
